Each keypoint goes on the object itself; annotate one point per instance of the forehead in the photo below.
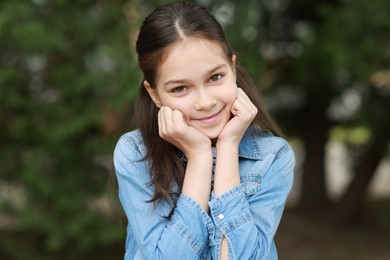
(196, 47)
(191, 55)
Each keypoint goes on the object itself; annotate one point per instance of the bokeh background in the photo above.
(69, 77)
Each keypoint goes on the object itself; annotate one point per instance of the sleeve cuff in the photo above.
(192, 222)
(230, 210)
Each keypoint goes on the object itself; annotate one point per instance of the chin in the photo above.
(212, 134)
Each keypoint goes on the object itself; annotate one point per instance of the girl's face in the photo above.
(195, 78)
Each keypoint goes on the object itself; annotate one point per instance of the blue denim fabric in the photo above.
(247, 215)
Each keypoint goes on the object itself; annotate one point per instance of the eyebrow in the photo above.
(178, 81)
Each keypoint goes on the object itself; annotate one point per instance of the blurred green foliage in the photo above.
(341, 80)
(66, 79)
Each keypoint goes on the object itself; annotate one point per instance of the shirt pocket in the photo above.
(250, 184)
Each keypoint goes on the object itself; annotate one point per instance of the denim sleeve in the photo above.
(184, 236)
(249, 222)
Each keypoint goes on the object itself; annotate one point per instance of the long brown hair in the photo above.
(161, 29)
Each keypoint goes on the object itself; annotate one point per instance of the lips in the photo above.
(210, 119)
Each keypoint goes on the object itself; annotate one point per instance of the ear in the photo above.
(153, 94)
(234, 63)
(234, 60)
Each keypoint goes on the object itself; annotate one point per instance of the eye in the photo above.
(178, 89)
(215, 77)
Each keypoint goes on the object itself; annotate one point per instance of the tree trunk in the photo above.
(315, 136)
(349, 208)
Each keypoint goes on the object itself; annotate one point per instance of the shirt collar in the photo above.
(249, 146)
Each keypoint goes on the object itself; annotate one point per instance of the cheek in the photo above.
(177, 104)
(168, 101)
(230, 94)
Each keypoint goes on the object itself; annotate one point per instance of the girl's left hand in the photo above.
(244, 111)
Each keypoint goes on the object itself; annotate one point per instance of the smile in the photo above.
(211, 119)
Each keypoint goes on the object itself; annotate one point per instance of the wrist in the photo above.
(200, 155)
(227, 145)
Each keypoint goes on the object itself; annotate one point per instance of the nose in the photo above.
(205, 100)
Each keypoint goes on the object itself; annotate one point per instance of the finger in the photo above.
(246, 101)
(167, 115)
(161, 122)
(178, 120)
(243, 96)
(235, 107)
(241, 93)
(244, 108)
(241, 103)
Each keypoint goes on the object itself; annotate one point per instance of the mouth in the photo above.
(209, 119)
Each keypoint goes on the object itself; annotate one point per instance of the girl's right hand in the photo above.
(174, 129)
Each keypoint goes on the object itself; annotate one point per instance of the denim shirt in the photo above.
(247, 215)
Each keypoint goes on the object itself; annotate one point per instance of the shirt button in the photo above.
(221, 216)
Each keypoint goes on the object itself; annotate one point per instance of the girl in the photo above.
(205, 175)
